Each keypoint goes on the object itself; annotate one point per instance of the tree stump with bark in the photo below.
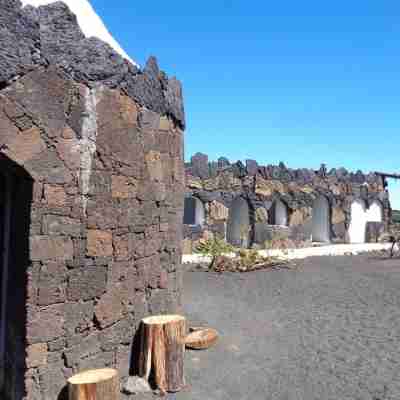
(162, 349)
(95, 384)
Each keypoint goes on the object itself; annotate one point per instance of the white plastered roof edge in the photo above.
(89, 22)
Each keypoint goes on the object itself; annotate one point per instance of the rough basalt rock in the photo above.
(91, 155)
(50, 34)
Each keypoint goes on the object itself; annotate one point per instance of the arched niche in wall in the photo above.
(360, 215)
(193, 213)
(375, 212)
(358, 221)
(279, 213)
(238, 226)
(321, 220)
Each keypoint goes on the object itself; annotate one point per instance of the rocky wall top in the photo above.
(200, 167)
(50, 35)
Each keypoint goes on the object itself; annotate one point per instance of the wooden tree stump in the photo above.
(95, 384)
(162, 348)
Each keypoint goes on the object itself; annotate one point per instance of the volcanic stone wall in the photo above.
(92, 154)
(218, 184)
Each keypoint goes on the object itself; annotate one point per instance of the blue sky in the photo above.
(304, 82)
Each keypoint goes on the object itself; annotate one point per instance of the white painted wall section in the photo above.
(375, 212)
(358, 222)
(360, 215)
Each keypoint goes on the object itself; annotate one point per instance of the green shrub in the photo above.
(214, 248)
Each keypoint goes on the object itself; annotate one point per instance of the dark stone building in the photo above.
(91, 200)
(249, 204)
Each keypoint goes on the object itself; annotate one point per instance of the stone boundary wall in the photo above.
(93, 147)
(218, 184)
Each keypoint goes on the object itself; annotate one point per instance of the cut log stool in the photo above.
(162, 348)
(95, 384)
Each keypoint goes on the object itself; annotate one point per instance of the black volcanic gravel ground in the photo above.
(330, 329)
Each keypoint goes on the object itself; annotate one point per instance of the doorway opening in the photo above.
(16, 188)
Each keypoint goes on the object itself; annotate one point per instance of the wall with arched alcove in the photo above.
(375, 212)
(271, 222)
(321, 223)
(238, 231)
(358, 221)
(326, 219)
(279, 213)
(375, 222)
(365, 221)
(194, 212)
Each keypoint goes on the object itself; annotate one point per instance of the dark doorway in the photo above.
(4, 247)
(15, 209)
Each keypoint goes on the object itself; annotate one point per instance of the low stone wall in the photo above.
(219, 184)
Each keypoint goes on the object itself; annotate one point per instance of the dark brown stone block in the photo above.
(44, 93)
(99, 243)
(59, 225)
(78, 318)
(52, 284)
(51, 248)
(86, 347)
(110, 308)
(46, 324)
(87, 283)
(47, 166)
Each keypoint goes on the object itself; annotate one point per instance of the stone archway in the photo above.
(358, 222)
(194, 213)
(321, 220)
(238, 227)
